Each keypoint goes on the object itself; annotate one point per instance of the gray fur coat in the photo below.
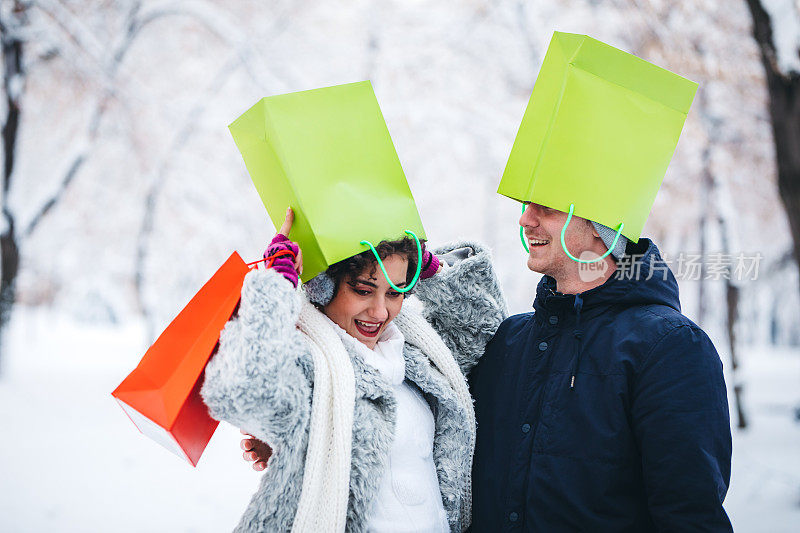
(261, 379)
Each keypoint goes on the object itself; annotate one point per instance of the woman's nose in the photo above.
(378, 309)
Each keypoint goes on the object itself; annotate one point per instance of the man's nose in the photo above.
(530, 217)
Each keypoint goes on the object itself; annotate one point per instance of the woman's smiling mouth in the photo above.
(368, 329)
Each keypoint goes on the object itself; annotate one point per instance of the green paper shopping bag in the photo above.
(598, 133)
(327, 154)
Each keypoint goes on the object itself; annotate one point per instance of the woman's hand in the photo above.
(430, 264)
(255, 450)
(284, 255)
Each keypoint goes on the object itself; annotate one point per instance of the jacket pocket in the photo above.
(588, 421)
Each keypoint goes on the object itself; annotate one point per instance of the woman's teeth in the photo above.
(368, 328)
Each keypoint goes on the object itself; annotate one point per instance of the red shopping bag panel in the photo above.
(161, 396)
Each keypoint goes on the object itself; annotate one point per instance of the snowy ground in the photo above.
(70, 460)
(765, 479)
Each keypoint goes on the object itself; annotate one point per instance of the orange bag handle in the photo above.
(271, 258)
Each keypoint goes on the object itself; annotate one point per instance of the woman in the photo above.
(410, 432)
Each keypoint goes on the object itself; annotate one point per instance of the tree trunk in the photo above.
(784, 110)
(13, 85)
(715, 209)
(706, 185)
(732, 300)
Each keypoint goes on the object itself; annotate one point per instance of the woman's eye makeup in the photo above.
(360, 288)
(365, 289)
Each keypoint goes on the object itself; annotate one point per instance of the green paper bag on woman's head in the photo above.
(599, 131)
(327, 154)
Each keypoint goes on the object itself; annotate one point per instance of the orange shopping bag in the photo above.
(162, 394)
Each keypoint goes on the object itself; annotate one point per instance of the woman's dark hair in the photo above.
(351, 267)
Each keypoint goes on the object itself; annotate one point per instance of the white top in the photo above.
(409, 498)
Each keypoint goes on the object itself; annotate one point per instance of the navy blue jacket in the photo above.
(639, 441)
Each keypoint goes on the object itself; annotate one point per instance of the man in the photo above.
(605, 408)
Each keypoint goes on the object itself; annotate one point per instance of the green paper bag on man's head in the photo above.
(327, 154)
(599, 131)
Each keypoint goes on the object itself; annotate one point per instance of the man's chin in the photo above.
(536, 264)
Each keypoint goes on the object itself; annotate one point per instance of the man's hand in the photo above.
(255, 450)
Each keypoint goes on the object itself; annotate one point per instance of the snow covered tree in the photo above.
(17, 32)
(776, 28)
(12, 17)
(121, 132)
(34, 32)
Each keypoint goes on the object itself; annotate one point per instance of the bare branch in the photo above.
(135, 23)
(219, 24)
(81, 155)
(69, 175)
(82, 37)
(158, 178)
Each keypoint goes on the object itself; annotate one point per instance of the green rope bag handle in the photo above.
(383, 269)
(564, 244)
(522, 234)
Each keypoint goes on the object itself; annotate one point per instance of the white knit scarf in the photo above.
(326, 478)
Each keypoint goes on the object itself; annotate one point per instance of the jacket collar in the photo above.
(642, 278)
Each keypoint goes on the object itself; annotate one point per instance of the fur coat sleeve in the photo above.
(464, 303)
(260, 378)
